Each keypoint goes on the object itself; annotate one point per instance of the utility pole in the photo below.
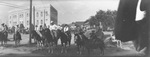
(34, 16)
(44, 17)
(30, 21)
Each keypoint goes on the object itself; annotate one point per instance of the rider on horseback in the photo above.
(93, 36)
(53, 28)
(66, 30)
(4, 31)
(4, 28)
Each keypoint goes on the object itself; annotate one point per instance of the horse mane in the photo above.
(35, 33)
(47, 32)
(77, 36)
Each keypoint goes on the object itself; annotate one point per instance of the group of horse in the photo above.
(50, 38)
(4, 38)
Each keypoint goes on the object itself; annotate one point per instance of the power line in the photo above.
(15, 6)
(9, 3)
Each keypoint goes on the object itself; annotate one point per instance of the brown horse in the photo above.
(3, 37)
(89, 44)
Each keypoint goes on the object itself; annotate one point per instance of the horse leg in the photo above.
(69, 42)
(78, 51)
(41, 44)
(15, 42)
(18, 42)
(65, 47)
(56, 42)
(102, 50)
(49, 48)
(62, 48)
(38, 45)
(88, 51)
(5, 42)
(52, 48)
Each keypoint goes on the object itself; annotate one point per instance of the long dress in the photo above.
(17, 35)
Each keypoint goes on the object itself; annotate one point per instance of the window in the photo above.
(37, 14)
(10, 22)
(41, 21)
(46, 13)
(10, 17)
(27, 15)
(15, 16)
(37, 22)
(27, 22)
(41, 14)
(22, 15)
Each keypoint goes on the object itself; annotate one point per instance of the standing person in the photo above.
(13, 29)
(17, 35)
(6, 33)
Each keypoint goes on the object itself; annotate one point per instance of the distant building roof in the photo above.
(79, 23)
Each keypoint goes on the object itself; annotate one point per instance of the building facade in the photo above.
(40, 15)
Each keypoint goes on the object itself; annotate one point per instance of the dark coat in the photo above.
(17, 36)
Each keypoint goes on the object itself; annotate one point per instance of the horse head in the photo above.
(77, 37)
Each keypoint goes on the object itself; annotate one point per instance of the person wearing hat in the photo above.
(53, 28)
(2, 27)
(16, 28)
(93, 34)
(66, 30)
(4, 31)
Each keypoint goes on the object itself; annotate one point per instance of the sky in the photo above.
(68, 10)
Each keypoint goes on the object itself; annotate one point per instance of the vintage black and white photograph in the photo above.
(93, 28)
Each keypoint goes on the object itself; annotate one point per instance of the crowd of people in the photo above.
(53, 28)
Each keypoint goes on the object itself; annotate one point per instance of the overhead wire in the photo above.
(14, 6)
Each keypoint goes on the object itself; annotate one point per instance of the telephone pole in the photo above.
(30, 21)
